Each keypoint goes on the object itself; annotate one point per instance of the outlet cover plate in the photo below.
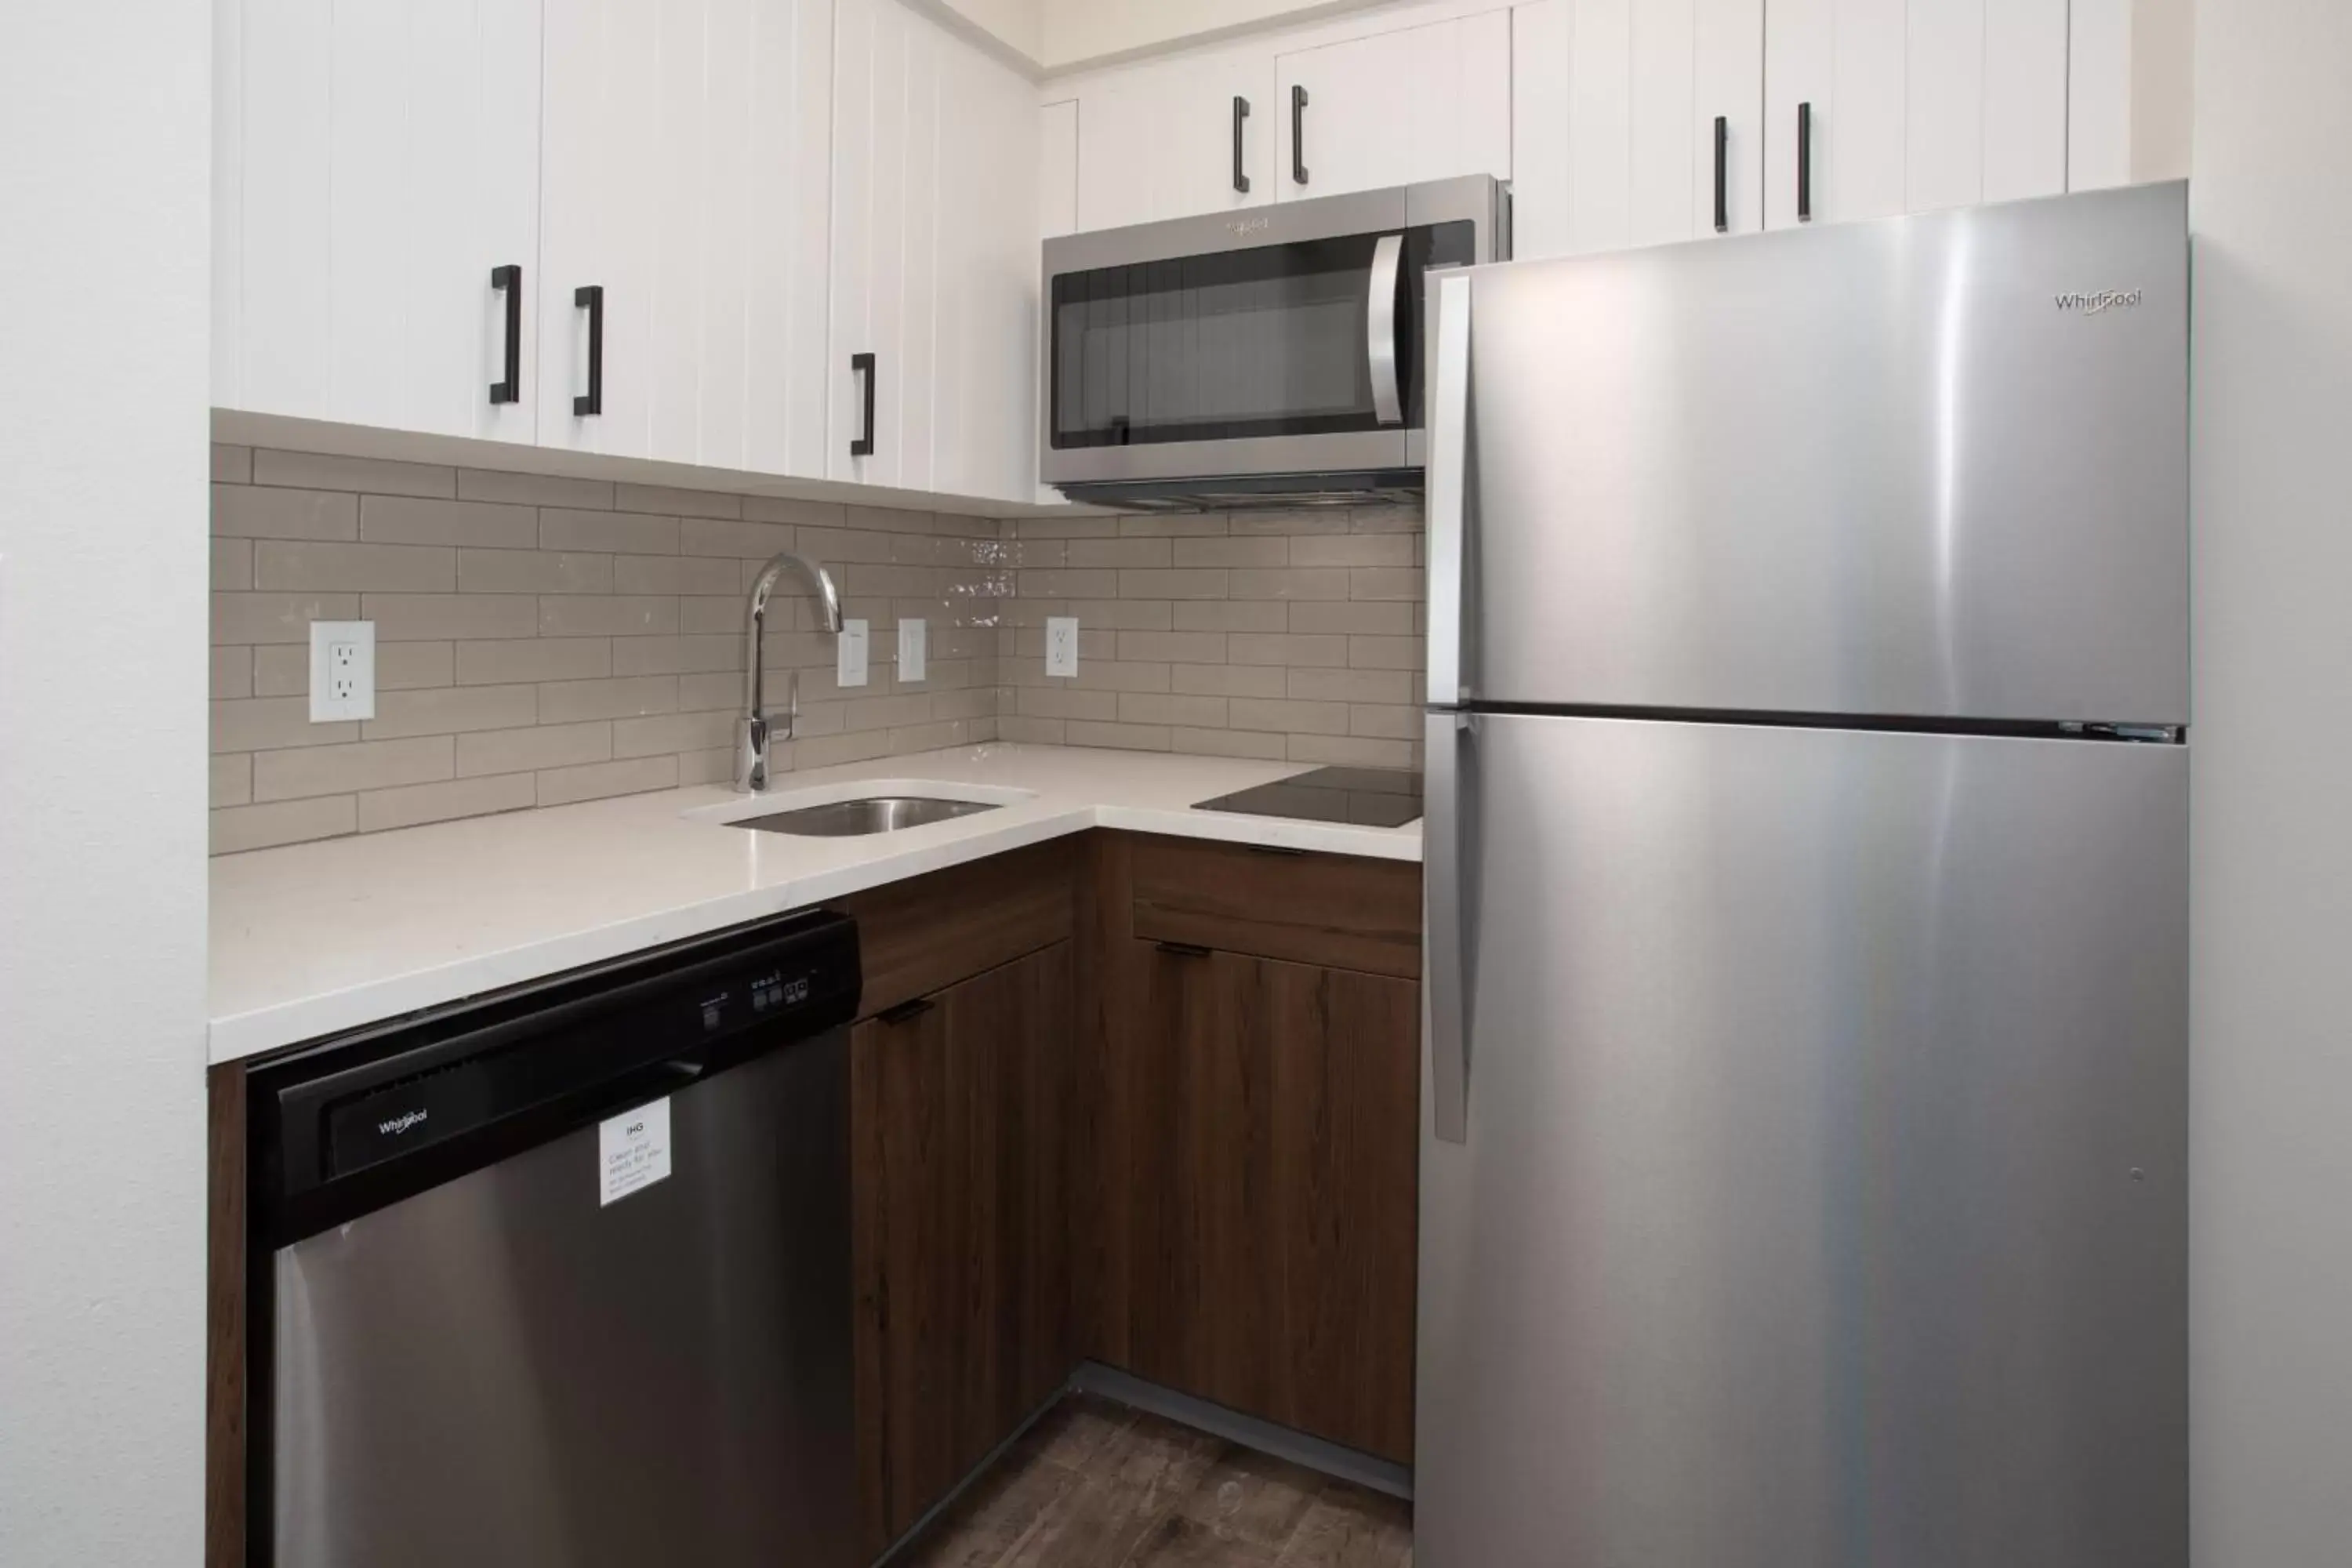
(914, 646)
(342, 671)
(1062, 646)
(849, 654)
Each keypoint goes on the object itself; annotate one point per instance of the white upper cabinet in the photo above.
(1834, 109)
(1834, 102)
(377, 162)
(934, 227)
(1912, 105)
(685, 184)
(1421, 103)
(1178, 137)
(1637, 121)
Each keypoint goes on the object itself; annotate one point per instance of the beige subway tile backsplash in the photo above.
(544, 640)
(371, 476)
(340, 770)
(405, 520)
(413, 805)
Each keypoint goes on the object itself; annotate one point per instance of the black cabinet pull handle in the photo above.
(1181, 950)
(1240, 112)
(509, 281)
(906, 1010)
(590, 297)
(1722, 169)
(1298, 133)
(863, 365)
(1804, 162)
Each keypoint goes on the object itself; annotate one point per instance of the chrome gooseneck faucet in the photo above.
(753, 730)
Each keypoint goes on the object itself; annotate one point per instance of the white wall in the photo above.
(104, 111)
(1081, 30)
(1020, 24)
(2271, 1082)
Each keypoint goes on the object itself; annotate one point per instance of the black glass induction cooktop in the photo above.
(1361, 797)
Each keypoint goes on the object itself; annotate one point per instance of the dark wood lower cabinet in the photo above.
(1271, 1201)
(958, 1109)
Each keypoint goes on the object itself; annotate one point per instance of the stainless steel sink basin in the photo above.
(873, 814)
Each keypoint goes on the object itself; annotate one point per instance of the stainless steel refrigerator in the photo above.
(1803, 1164)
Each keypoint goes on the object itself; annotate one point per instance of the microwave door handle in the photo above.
(1449, 419)
(1380, 330)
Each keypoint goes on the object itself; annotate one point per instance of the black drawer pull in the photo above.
(508, 280)
(904, 1011)
(863, 365)
(1182, 950)
(590, 297)
(1299, 134)
(1804, 162)
(1722, 174)
(1240, 112)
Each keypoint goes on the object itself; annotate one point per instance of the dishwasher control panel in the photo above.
(444, 1090)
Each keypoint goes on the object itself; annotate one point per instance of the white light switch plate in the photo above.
(913, 646)
(342, 670)
(1062, 645)
(849, 654)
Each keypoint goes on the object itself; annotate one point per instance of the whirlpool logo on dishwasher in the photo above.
(400, 1123)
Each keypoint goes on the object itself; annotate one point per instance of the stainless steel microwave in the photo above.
(1267, 356)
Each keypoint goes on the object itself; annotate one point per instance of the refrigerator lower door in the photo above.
(1822, 1195)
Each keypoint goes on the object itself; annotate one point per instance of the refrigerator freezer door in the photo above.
(1823, 1199)
(1936, 466)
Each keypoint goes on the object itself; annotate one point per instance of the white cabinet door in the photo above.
(884, 184)
(786, 197)
(601, 180)
(379, 159)
(1423, 103)
(1159, 141)
(934, 259)
(1844, 64)
(1986, 110)
(1614, 107)
(687, 178)
(984, 367)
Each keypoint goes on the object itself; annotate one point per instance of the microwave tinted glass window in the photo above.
(1234, 345)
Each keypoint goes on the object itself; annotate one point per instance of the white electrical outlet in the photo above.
(1062, 645)
(849, 654)
(912, 643)
(342, 670)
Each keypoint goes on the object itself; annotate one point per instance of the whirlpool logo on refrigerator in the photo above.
(400, 1123)
(2100, 303)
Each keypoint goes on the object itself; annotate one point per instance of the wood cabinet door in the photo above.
(1271, 1206)
(958, 1108)
(1423, 103)
(374, 163)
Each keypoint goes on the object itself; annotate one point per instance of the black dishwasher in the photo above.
(561, 1276)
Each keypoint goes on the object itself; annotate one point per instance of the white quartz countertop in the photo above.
(314, 939)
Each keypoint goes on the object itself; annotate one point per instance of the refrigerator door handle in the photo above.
(1449, 420)
(1445, 998)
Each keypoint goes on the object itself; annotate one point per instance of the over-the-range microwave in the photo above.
(1269, 355)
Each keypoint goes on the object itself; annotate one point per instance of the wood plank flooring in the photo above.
(1097, 1485)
